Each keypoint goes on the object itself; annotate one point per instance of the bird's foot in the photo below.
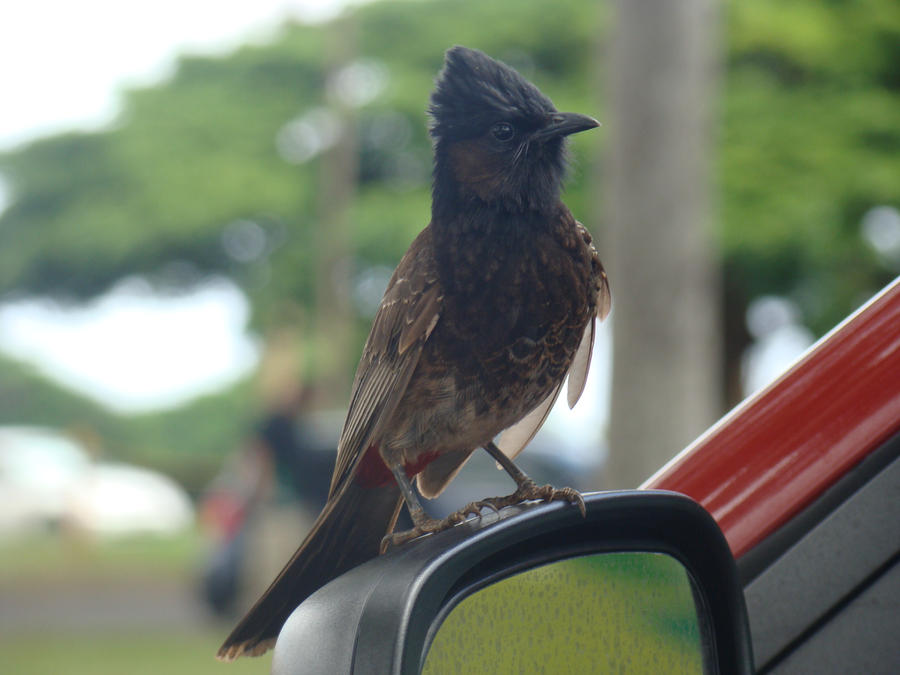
(426, 525)
(423, 525)
(528, 491)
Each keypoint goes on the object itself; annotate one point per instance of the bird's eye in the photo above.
(503, 131)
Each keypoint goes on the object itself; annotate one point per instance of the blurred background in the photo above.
(200, 207)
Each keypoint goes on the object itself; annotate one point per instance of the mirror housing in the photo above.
(381, 616)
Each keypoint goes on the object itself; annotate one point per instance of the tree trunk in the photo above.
(665, 281)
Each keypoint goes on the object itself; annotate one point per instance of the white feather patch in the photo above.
(514, 439)
(581, 364)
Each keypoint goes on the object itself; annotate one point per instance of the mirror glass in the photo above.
(601, 613)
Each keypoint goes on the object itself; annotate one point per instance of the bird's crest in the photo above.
(473, 90)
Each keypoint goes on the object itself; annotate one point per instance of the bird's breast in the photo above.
(516, 303)
(513, 313)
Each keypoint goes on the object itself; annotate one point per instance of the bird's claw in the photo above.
(431, 526)
(474, 509)
(423, 525)
(530, 491)
(548, 493)
(526, 492)
(399, 538)
(572, 496)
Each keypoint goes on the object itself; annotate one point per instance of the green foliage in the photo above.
(27, 398)
(809, 140)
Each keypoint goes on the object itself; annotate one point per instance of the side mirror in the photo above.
(644, 583)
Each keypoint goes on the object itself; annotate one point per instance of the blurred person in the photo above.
(288, 452)
(267, 494)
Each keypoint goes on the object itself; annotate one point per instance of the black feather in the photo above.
(472, 93)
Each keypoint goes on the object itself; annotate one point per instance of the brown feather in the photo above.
(408, 313)
(338, 541)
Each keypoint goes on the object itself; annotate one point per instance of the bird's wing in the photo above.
(578, 371)
(514, 439)
(408, 313)
(581, 364)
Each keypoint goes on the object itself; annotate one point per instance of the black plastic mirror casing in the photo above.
(380, 616)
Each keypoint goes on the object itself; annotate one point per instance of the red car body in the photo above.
(779, 450)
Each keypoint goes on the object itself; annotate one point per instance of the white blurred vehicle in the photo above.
(38, 469)
(47, 480)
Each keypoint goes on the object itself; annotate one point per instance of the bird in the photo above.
(493, 305)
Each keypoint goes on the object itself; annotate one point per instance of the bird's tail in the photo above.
(347, 533)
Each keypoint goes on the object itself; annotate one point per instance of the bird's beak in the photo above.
(563, 124)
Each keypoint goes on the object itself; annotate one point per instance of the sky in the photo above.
(133, 350)
(64, 63)
(62, 66)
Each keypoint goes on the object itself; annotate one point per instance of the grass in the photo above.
(116, 653)
(41, 563)
(51, 557)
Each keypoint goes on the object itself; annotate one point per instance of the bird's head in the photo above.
(498, 139)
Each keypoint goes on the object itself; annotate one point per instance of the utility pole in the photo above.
(337, 190)
(663, 268)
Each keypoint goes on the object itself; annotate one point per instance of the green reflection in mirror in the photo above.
(602, 613)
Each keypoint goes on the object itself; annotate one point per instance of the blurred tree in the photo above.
(662, 264)
(215, 170)
(809, 143)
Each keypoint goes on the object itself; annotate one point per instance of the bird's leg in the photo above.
(526, 488)
(422, 522)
